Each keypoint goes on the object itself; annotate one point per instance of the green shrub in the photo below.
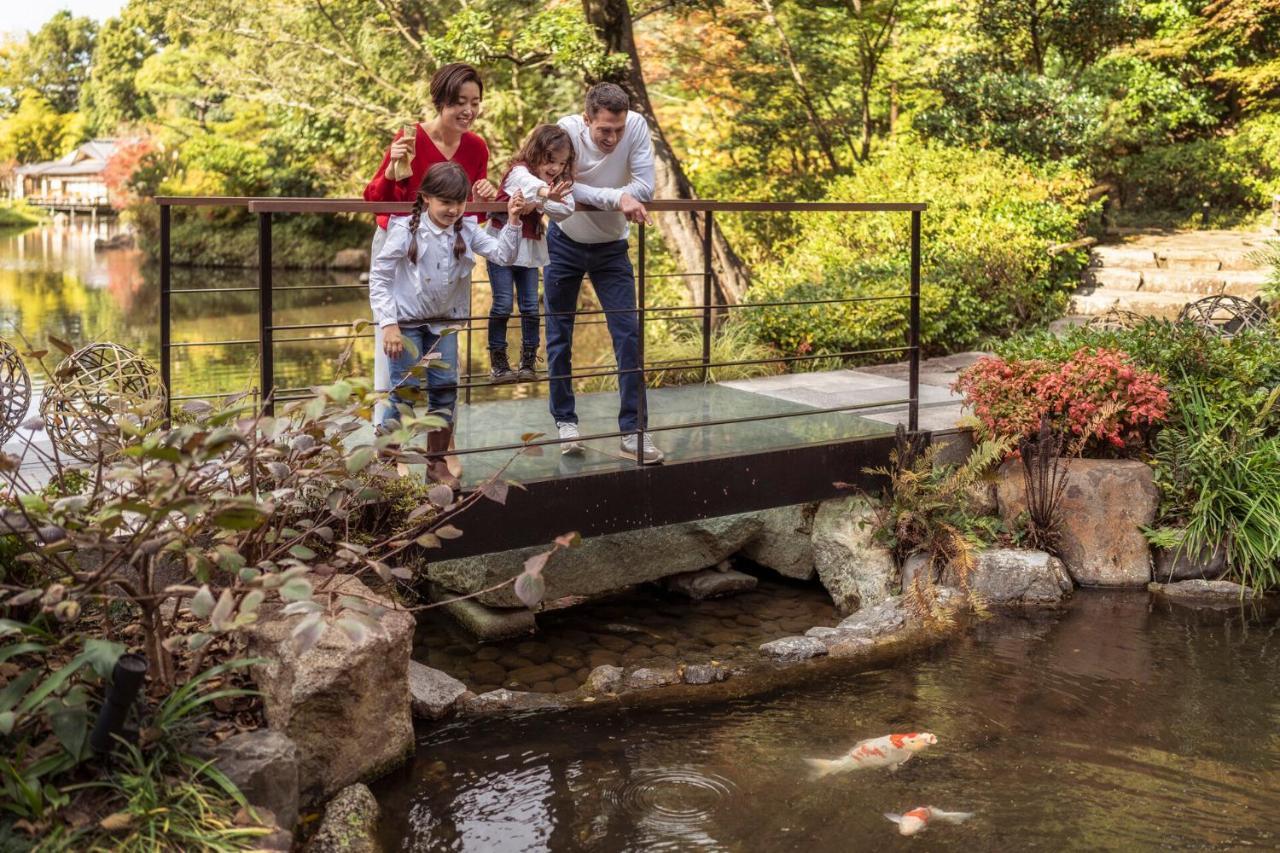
(1184, 176)
(1237, 373)
(18, 215)
(986, 269)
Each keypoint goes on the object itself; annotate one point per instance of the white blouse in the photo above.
(436, 288)
(533, 253)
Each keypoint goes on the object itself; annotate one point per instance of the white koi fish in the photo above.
(887, 751)
(918, 819)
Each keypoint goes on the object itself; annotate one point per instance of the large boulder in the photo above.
(604, 563)
(350, 824)
(1175, 565)
(785, 541)
(855, 570)
(1105, 505)
(344, 703)
(263, 764)
(1006, 577)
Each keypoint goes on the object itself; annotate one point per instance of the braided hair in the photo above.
(446, 181)
(543, 143)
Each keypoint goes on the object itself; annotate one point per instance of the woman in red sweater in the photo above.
(456, 92)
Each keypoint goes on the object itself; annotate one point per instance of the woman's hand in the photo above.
(392, 343)
(400, 147)
(515, 206)
(557, 191)
(483, 190)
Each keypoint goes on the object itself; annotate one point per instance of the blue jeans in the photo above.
(524, 280)
(442, 382)
(615, 287)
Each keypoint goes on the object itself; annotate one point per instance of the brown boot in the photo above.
(438, 468)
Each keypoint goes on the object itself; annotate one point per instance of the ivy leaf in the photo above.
(535, 564)
(440, 495)
(448, 531)
(359, 459)
(202, 602)
(530, 589)
(239, 518)
(302, 552)
(220, 618)
(307, 633)
(353, 629)
(296, 589)
(428, 540)
(66, 348)
(496, 491)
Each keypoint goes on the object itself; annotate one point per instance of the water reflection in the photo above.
(1116, 726)
(53, 282)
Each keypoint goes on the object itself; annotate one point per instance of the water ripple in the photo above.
(673, 801)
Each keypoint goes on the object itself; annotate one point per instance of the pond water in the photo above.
(1116, 725)
(53, 282)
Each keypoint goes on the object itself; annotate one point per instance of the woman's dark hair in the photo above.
(446, 85)
(447, 181)
(543, 143)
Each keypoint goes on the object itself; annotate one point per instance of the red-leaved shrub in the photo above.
(1095, 395)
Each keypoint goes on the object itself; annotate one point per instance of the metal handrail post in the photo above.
(166, 334)
(641, 407)
(466, 398)
(708, 223)
(266, 344)
(913, 382)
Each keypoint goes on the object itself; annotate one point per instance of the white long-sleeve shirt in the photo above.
(532, 252)
(602, 179)
(436, 287)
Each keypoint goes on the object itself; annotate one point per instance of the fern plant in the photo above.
(932, 508)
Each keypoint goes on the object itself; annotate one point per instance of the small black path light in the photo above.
(126, 679)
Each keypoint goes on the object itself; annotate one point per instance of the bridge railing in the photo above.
(703, 211)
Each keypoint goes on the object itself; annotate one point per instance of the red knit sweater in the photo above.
(472, 155)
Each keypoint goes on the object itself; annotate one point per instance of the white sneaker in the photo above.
(652, 455)
(571, 437)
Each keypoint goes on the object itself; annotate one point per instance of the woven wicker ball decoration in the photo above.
(1114, 320)
(91, 388)
(15, 391)
(1225, 314)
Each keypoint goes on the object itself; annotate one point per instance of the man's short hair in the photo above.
(607, 96)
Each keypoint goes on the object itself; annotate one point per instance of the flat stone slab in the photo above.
(488, 624)
(1211, 592)
(792, 649)
(710, 583)
(432, 692)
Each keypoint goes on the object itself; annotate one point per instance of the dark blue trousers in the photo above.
(615, 285)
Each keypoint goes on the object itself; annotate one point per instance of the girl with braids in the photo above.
(456, 94)
(418, 286)
(543, 171)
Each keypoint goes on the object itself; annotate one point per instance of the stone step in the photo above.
(1089, 301)
(1236, 282)
(1122, 255)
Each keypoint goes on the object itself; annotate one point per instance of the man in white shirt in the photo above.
(614, 178)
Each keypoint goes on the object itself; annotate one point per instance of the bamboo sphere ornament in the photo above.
(1225, 314)
(15, 391)
(1114, 320)
(92, 391)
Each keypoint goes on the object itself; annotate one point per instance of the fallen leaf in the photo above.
(116, 822)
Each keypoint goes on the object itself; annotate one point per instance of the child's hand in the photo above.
(392, 343)
(484, 190)
(558, 190)
(515, 205)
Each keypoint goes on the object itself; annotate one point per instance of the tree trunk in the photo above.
(682, 231)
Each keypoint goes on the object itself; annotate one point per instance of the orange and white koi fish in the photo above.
(888, 751)
(918, 819)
